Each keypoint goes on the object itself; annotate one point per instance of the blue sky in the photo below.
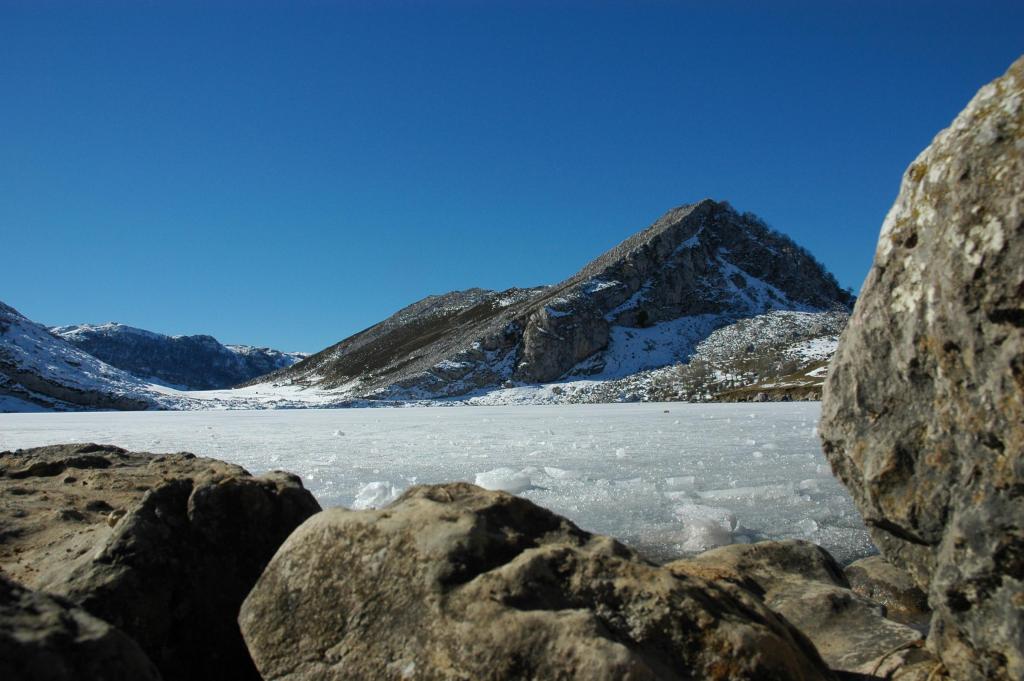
(288, 174)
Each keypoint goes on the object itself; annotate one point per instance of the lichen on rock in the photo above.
(923, 412)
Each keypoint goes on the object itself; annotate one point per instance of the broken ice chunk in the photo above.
(681, 482)
(807, 526)
(705, 527)
(374, 495)
(505, 480)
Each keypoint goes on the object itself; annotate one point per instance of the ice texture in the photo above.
(705, 527)
(375, 495)
(666, 479)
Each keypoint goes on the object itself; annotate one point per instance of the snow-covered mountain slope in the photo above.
(781, 355)
(645, 304)
(41, 370)
(185, 362)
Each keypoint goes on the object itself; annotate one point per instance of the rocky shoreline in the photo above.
(122, 565)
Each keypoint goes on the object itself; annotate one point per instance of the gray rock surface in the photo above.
(704, 262)
(923, 413)
(876, 578)
(165, 548)
(802, 582)
(45, 638)
(456, 582)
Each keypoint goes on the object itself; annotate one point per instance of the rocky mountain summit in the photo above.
(644, 304)
(185, 362)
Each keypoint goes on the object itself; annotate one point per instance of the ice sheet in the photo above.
(645, 473)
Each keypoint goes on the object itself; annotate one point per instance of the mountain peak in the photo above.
(698, 267)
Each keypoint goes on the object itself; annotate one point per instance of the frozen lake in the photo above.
(666, 479)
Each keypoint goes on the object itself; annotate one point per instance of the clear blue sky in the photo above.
(288, 173)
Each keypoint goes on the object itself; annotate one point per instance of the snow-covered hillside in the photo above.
(185, 362)
(39, 370)
(783, 354)
(738, 362)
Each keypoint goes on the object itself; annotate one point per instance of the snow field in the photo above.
(667, 479)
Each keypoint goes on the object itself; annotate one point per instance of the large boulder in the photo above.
(45, 638)
(165, 548)
(923, 412)
(804, 584)
(456, 582)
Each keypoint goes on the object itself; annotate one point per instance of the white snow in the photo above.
(692, 242)
(450, 365)
(595, 285)
(814, 348)
(109, 328)
(552, 312)
(656, 498)
(631, 350)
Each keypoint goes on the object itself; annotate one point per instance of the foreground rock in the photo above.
(803, 583)
(163, 547)
(43, 638)
(923, 413)
(456, 582)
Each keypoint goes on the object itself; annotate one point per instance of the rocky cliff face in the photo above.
(644, 304)
(187, 362)
(923, 413)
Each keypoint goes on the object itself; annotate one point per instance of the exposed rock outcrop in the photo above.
(45, 638)
(455, 582)
(165, 548)
(803, 583)
(923, 414)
